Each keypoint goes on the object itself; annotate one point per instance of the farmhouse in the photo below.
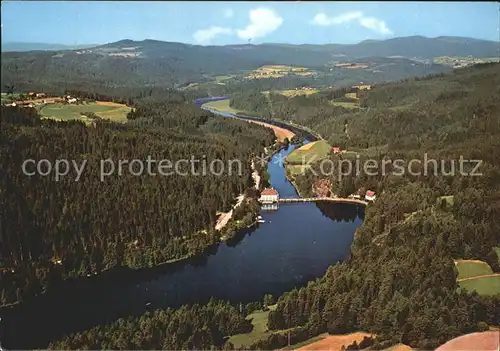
(269, 195)
(336, 150)
(370, 195)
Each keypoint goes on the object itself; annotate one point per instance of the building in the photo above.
(336, 150)
(269, 196)
(40, 95)
(370, 195)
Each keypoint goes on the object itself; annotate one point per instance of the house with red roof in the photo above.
(336, 150)
(269, 195)
(370, 195)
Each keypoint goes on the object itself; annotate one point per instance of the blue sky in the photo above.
(219, 23)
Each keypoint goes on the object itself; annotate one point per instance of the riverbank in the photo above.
(221, 107)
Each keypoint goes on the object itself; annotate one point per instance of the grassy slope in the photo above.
(467, 269)
(69, 112)
(222, 106)
(309, 153)
(259, 322)
(483, 286)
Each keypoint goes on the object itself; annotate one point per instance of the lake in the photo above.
(296, 244)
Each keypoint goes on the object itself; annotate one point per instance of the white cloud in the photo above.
(228, 13)
(263, 21)
(205, 36)
(371, 23)
(375, 25)
(323, 20)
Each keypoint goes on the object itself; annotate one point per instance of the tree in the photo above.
(269, 300)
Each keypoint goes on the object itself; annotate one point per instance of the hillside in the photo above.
(152, 62)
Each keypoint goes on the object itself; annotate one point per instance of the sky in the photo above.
(221, 23)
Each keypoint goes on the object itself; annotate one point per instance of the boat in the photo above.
(259, 217)
(261, 221)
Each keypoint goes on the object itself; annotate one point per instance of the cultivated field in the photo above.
(298, 92)
(472, 268)
(106, 110)
(335, 342)
(277, 71)
(310, 152)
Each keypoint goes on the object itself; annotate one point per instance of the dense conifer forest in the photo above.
(400, 281)
(53, 230)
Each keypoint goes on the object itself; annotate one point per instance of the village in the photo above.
(33, 99)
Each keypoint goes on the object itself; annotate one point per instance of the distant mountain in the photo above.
(15, 46)
(152, 62)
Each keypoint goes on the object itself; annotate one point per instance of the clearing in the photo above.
(335, 342)
(344, 104)
(106, 110)
(222, 106)
(277, 71)
(297, 92)
(472, 268)
(483, 285)
(259, 321)
(311, 152)
(448, 199)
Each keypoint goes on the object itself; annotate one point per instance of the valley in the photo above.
(305, 188)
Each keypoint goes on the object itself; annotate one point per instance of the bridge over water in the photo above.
(330, 199)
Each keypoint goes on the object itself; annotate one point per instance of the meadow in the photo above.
(483, 286)
(259, 321)
(310, 152)
(477, 276)
(469, 268)
(106, 110)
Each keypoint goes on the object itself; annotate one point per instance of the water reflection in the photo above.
(270, 207)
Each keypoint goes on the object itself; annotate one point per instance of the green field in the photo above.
(483, 286)
(222, 106)
(467, 269)
(65, 112)
(312, 152)
(345, 104)
(8, 98)
(259, 331)
(450, 200)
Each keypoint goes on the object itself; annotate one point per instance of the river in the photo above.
(296, 244)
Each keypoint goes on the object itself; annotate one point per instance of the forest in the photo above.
(399, 281)
(54, 230)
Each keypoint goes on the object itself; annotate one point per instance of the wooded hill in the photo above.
(400, 281)
(53, 230)
(156, 63)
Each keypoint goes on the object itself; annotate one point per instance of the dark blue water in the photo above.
(296, 244)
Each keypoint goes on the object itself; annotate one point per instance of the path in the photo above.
(330, 199)
(479, 276)
(225, 217)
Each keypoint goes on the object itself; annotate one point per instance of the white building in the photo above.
(269, 195)
(370, 195)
